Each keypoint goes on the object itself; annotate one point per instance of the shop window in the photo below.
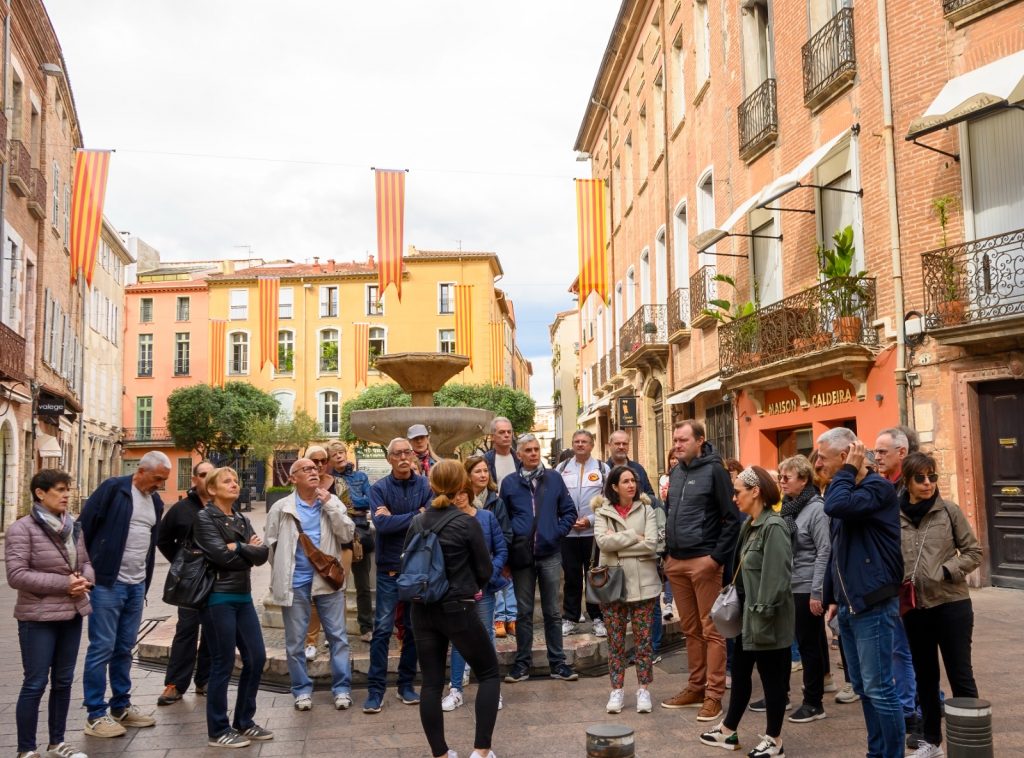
(719, 428)
(792, 442)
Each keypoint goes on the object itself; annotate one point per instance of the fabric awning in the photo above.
(791, 180)
(996, 85)
(47, 446)
(715, 383)
(709, 237)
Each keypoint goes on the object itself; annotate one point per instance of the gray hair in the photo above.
(899, 439)
(525, 438)
(913, 438)
(392, 443)
(837, 439)
(798, 465)
(578, 432)
(498, 420)
(618, 431)
(154, 459)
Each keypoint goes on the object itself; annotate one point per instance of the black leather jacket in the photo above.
(212, 532)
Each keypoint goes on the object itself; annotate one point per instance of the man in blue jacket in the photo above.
(618, 441)
(119, 522)
(542, 513)
(862, 582)
(359, 492)
(394, 501)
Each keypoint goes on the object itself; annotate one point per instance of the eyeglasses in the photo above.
(403, 453)
(786, 477)
(919, 478)
(306, 470)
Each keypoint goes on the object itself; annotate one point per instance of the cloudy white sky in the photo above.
(256, 123)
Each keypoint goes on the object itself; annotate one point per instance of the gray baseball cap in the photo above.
(417, 430)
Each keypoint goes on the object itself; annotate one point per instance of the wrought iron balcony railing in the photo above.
(20, 168)
(839, 311)
(758, 119)
(145, 368)
(702, 292)
(678, 311)
(613, 363)
(595, 376)
(602, 370)
(962, 10)
(829, 59)
(648, 326)
(12, 354)
(974, 282)
(147, 434)
(37, 194)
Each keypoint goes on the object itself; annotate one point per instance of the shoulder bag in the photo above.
(908, 590)
(605, 584)
(727, 611)
(327, 566)
(189, 579)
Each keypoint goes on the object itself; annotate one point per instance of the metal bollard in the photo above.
(968, 728)
(610, 741)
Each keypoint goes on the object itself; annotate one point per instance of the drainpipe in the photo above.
(894, 219)
(4, 136)
(670, 368)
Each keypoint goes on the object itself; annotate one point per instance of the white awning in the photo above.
(47, 446)
(996, 85)
(698, 389)
(791, 180)
(708, 237)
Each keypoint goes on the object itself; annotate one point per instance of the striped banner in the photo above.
(390, 228)
(362, 352)
(88, 191)
(218, 351)
(464, 321)
(269, 294)
(498, 352)
(592, 223)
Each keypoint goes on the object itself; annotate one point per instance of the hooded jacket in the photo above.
(764, 582)
(702, 518)
(632, 545)
(549, 509)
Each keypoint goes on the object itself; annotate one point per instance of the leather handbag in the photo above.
(327, 566)
(605, 584)
(727, 611)
(189, 579)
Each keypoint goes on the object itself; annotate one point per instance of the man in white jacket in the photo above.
(295, 584)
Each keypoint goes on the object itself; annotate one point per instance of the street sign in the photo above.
(625, 410)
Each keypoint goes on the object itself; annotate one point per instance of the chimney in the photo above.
(371, 260)
(227, 267)
(331, 265)
(316, 264)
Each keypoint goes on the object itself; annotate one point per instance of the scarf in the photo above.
(424, 461)
(480, 500)
(531, 477)
(61, 528)
(791, 506)
(916, 511)
(623, 509)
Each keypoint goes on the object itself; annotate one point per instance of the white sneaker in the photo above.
(342, 701)
(465, 676)
(310, 652)
(830, 685)
(501, 702)
(926, 750)
(63, 750)
(599, 628)
(303, 703)
(452, 700)
(766, 748)
(568, 627)
(847, 695)
(615, 701)
(643, 701)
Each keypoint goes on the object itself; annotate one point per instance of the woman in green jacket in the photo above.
(765, 560)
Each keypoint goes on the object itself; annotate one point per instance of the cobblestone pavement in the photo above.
(541, 716)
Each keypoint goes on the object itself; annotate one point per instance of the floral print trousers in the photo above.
(616, 618)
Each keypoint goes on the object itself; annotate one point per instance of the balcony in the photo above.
(145, 368)
(960, 12)
(20, 171)
(830, 324)
(12, 354)
(643, 339)
(602, 370)
(595, 377)
(829, 60)
(37, 194)
(974, 292)
(702, 292)
(679, 315)
(138, 436)
(758, 119)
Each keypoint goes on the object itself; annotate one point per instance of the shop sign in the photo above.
(626, 412)
(782, 406)
(834, 397)
(49, 405)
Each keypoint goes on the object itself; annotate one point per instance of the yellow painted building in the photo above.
(320, 302)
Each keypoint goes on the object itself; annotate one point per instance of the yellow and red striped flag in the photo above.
(498, 352)
(218, 351)
(390, 228)
(464, 321)
(362, 352)
(592, 222)
(269, 293)
(88, 191)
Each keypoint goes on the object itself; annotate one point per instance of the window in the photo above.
(328, 302)
(660, 268)
(446, 297)
(676, 79)
(239, 305)
(702, 41)
(996, 175)
(645, 277)
(630, 292)
(145, 355)
(618, 303)
(286, 401)
(374, 305)
(680, 252)
(446, 340)
(285, 302)
(658, 103)
(181, 310)
(10, 280)
(628, 176)
(757, 44)
(706, 213)
(378, 343)
(55, 194)
(330, 347)
(641, 147)
(840, 209)
(67, 216)
(767, 261)
(718, 423)
(330, 412)
(181, 353)
(285, 351)
(144, 417)
(239, 357)
(145, 310)
(184, 474)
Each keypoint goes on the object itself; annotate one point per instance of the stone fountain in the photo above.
(421, 375)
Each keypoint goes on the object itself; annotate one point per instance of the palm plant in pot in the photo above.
(748, 328)
(949, 290)
(846, 293)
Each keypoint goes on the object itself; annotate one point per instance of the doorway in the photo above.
(1001, 408)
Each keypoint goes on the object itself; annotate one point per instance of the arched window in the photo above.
(630, 292)
(287, 402)
(680, 253)
(660, 268)
(645, 277)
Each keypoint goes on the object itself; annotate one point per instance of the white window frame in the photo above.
(677, 81)
(706, 208)
(661, 266)
(55, 195)
(630, 294)
(231, 348)
(321, 411)
(238, 304)
(291, 334)
(440, 299)
(152, 305)
(321, 340)
(286, 412)
(286, 302)
(177, 308)
(441, 340)
(330, 301)
(370, 338)
(645, 276)
(368, 307)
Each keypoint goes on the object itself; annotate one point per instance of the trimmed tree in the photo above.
(268, 436)
(214, 419)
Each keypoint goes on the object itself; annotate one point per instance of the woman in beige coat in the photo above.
(626, 532)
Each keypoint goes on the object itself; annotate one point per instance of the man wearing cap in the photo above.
(419, 438)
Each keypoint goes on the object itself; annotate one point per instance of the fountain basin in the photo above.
(449, 427)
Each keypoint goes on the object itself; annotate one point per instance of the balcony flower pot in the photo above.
(803, 344)
(822, 340)
(952, 312)
(847, 329)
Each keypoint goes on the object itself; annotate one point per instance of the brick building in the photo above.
(736, 139)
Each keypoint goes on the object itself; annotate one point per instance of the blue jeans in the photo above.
(485, 610)
(903, 672)
(505, 608)
(383, 626)
(331, 609)
(868, 640)
(547, 573)
(113, 627)
(227, 626)
(48, 649)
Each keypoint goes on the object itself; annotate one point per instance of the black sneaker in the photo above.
(758, 706)
(806, 713)
(257, 732)
(230, 739)
(564, 672)
(519, 673)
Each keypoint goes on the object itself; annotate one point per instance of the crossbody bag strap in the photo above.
(595, 552)
(920, 550)
(739, 563)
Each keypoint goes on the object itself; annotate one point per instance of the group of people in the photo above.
(837, 537)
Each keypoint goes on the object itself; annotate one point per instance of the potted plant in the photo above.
(748, 328)
(951, 301)
(847, 292)
(273, 494)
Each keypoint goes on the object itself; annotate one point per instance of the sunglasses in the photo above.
(318, 461)
(919, 478)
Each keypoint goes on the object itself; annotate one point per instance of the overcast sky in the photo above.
(256, 123)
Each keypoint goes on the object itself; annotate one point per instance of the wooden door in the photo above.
(1002, 447)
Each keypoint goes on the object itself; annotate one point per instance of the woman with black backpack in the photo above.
(453, 617)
